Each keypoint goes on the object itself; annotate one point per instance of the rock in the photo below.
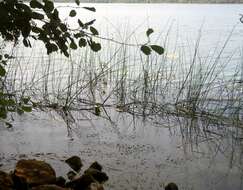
(85, 182)
(19, 182)
(96, 186)
(60, 181)
(171, 186)
(99, 176)
(75, 163)
(96, 165)
(48, 187)
(6, 182)
(71, 175)
(82, 183)
(35, 172)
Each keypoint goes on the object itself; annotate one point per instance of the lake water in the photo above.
(139, 154)
(183, 21)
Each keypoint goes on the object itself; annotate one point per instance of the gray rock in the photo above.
(99, 176)
(81, 183)
(96, 165)
(171, 186)
(75, 163)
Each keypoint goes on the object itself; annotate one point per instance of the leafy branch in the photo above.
(39, 20)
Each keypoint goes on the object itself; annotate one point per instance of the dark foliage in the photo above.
(20, 20)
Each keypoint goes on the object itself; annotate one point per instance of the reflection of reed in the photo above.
(214, 143)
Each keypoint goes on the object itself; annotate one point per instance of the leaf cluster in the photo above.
(20, 20)
(39, 20)
(147, 48)
(15, 20)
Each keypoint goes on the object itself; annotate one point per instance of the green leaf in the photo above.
(26, 29)
(23, 8)
(158, 49)
(56, 15)
(29, 43)
(2, 71)
(63, 27)
(25, 42)
(82, 42)
(49, 6)
(90, 9)
(95, 46)
(3, 113)
(36, 29)
(54, 47)
(48, 48)
(146, 50)
(93, 30)
(80, 23)
(78, 35)
(89, 23)
(72, 13)
(33, 37)
(36, 4)
(3, 101)
(36, 15)
(77, 2)
(27, 108)
(73, 45)
(149, 31)
(51, 47)
(66, 53)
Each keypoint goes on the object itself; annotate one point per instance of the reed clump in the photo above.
(180, 83)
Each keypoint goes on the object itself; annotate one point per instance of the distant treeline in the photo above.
(154, 1)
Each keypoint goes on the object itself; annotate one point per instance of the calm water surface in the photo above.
(215, 21)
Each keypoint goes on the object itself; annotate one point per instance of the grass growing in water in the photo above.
(181, 83)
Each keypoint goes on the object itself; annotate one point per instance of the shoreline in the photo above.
(164, 2)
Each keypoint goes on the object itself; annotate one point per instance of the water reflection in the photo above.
(136, 153)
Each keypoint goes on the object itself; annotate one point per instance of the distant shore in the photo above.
(155, 1)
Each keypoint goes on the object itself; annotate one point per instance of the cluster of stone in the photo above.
(39, 175)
